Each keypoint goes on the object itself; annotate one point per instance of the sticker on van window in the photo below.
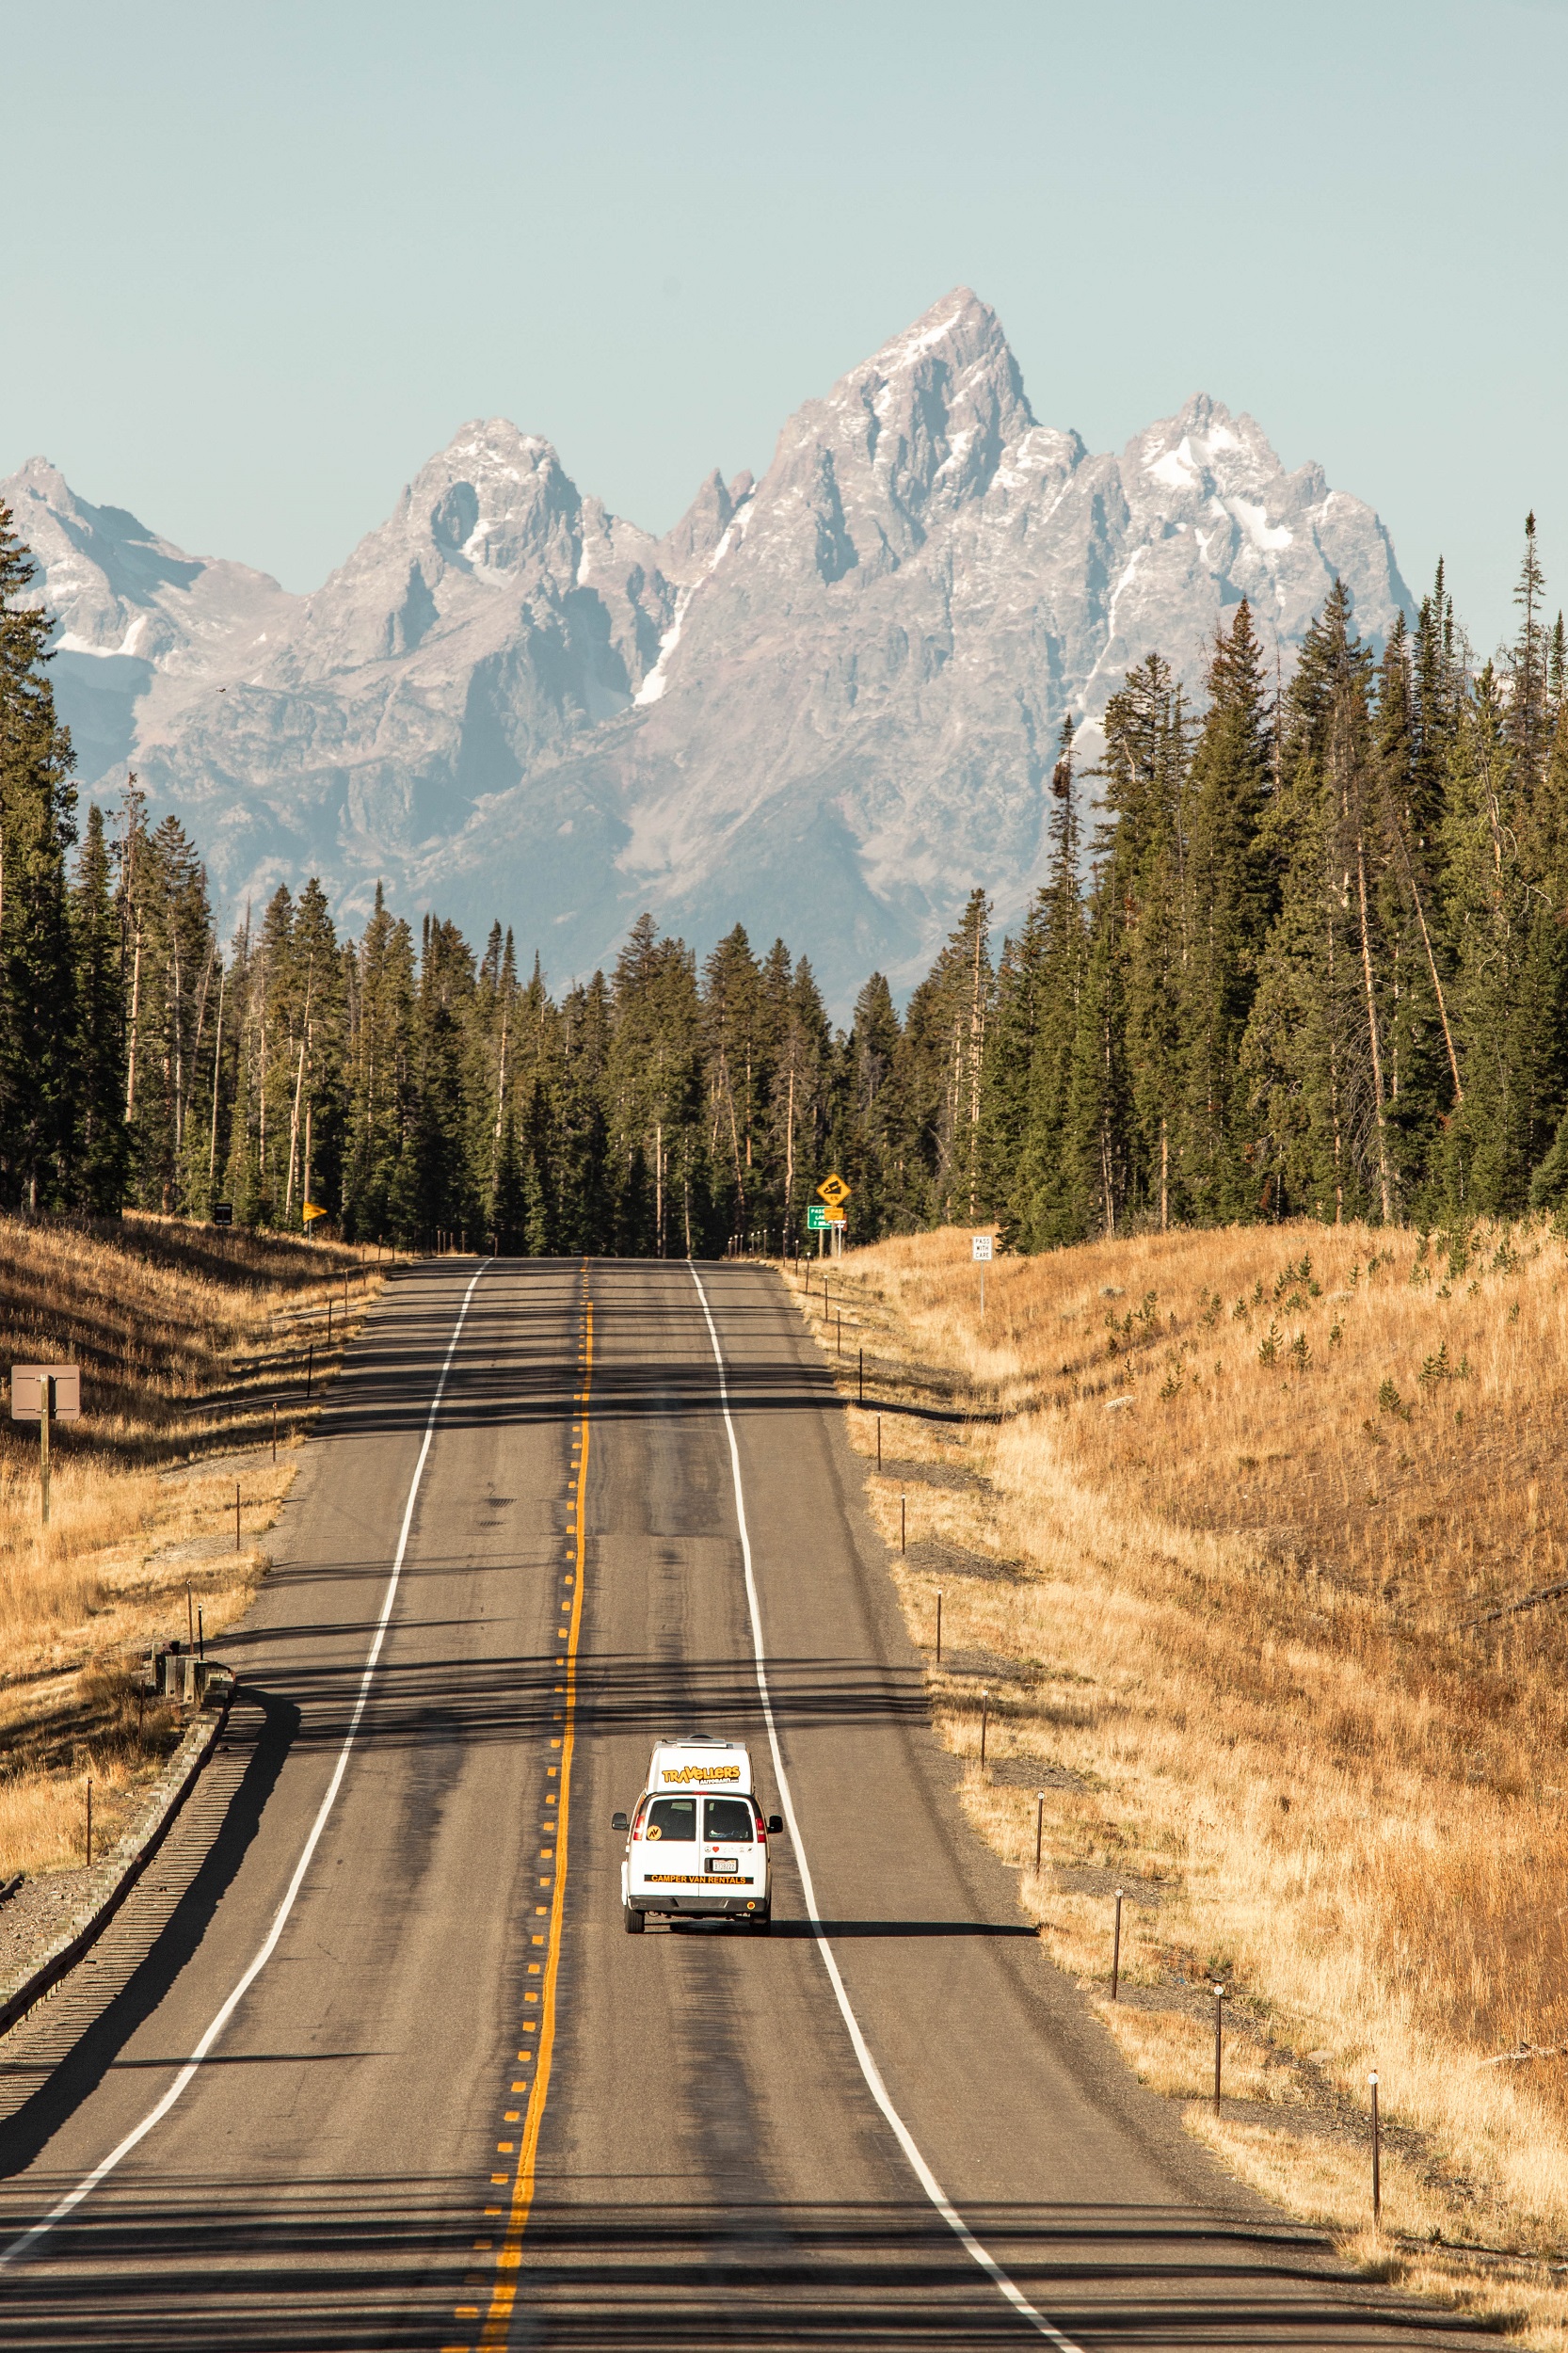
(700, 1773)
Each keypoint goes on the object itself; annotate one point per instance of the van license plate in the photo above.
(722, 1863)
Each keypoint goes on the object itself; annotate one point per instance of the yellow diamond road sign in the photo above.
(834, 1191)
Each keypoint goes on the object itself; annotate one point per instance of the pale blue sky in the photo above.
(261, 261)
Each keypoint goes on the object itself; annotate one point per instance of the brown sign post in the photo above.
(45, 1393)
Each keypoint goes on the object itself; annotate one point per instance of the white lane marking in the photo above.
(19, 2248)
(868, 2067)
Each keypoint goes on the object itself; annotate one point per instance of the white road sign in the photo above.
(27, 1383)
(980, 1248)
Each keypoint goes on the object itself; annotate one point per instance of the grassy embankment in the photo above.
(1239, 1556)
(164, 1319)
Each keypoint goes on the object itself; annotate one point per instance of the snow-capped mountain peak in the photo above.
(825, 703)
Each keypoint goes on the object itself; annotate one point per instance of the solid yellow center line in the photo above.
(509, 2255)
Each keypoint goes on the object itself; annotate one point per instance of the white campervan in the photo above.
(698, 1839)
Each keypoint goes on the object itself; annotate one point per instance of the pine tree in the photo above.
(1315, 1048)
(320, 988)
(437, 1194)
(101, 1154)
(1124, 1092)
(1487, 1154)
(1048, 1200)
(1528, 720)
(875, 1116)
(1424, 1081)
(586, 1191)
(380, 1109)
(736, 1072)
(1232, 897)
(1543, 979)
(174, 978)
(941, 1064)
(38, 1014)
(654, 1082)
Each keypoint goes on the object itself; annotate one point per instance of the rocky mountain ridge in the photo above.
(824, 704)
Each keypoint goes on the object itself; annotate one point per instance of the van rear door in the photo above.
(731, 1854)
(666, 1853)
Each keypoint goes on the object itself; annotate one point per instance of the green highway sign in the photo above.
(821, 1220)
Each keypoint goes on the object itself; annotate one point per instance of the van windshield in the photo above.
(728, 1817)
(672, 1817)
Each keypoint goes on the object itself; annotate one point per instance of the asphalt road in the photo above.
(438, 2097)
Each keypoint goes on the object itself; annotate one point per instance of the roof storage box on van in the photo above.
(696, 1763)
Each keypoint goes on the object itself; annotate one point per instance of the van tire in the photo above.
(633, 1921)
(761, 1922)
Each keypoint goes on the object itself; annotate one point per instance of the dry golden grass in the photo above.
(166, 1320)
(1243, 1497)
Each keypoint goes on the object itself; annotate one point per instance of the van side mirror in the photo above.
(776, 1822)
(619, 1821)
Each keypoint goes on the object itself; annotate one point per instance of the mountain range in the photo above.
(827, 704)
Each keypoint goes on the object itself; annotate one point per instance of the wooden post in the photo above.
(938, 1625)
(190, 1619)
(984, 1720)
(275, 1430)
(879, 1444)
(903, 1524)
(201, 1635)
(1039, 1828)
(89, 1821)
(862, 1397)
(46, 1405)
(1116, 1952)
(236, 1515)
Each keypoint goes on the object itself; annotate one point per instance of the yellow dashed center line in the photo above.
(509, 2255)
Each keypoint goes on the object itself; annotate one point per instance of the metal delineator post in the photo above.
(1039, 1828)
(938, 1625)
(1377, 2159)
(1116, 1952)
(46, 1402)
(1219, 2041)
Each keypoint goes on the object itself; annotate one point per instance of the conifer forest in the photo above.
(1301, 950)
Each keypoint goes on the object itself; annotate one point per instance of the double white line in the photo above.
(868, 2067)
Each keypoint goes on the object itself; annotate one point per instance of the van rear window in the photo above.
(728, 1817)
(672, 1817)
